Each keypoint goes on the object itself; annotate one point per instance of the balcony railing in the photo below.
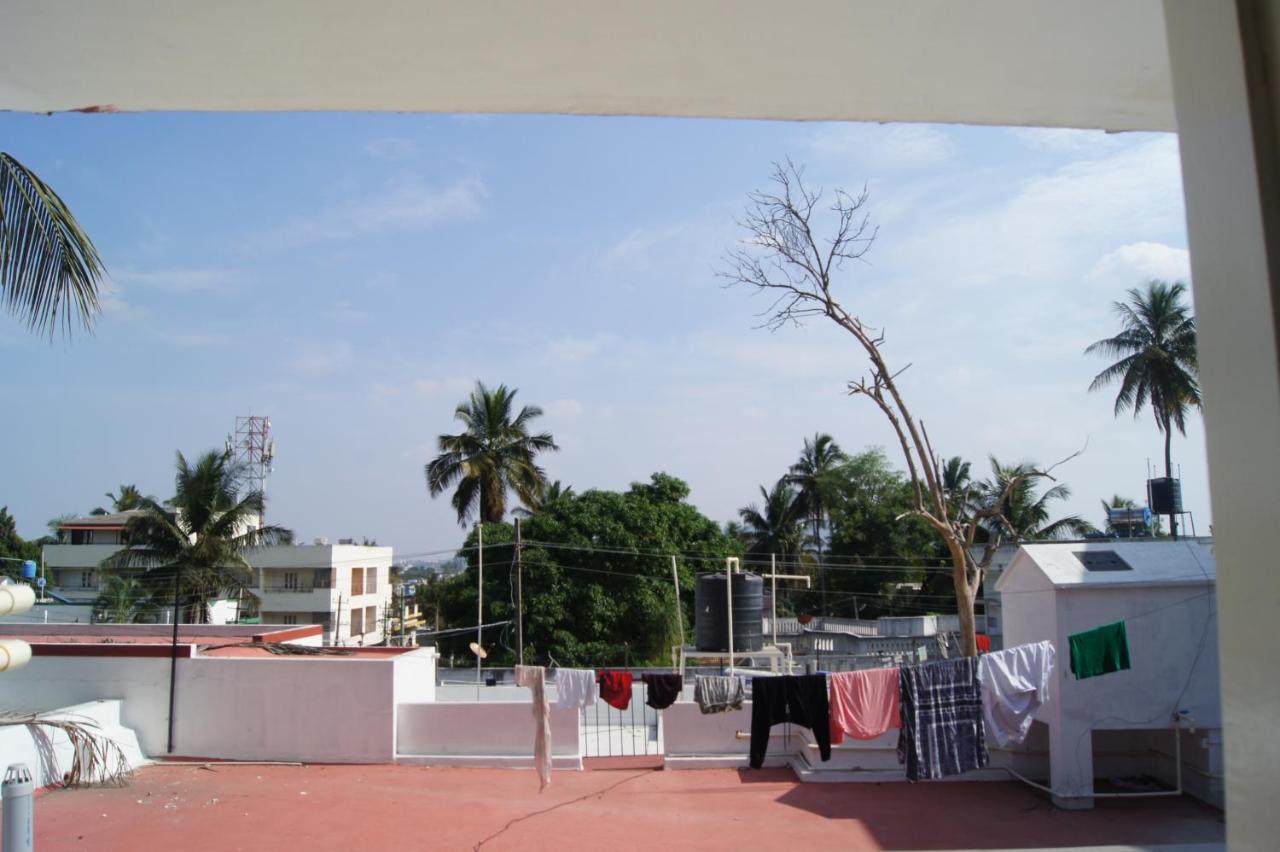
(295, 588)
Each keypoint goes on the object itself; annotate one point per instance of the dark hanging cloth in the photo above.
(941, 719)
(1099, 651)
(615, 688)
(662, 690)
(798, 699)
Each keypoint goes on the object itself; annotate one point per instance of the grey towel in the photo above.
(718, 694)
(941, 719)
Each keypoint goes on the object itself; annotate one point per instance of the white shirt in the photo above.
(575, 688)
(1015, 682)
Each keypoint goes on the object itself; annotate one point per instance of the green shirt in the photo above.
(1099, 651)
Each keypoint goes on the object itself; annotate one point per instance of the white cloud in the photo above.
(1135, 263)
(883, 147)
(572, 349)
(321, 357)
(178, 280)
(343, 311)
(564, 409)
(1065, 140)
(391, 148)
(409, 205)
(447, 384)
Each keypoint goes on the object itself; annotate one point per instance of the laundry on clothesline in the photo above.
(1015, 682)
(942, 730)
(1099, 651)
(719, 693)
(864, 704)
(534, 678)
(615, 688)
(662, 690)
(575, 688)
(791, 699)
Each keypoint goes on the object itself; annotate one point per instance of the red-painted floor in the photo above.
(226, 807)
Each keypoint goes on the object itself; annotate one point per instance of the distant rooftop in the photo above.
(109, 519)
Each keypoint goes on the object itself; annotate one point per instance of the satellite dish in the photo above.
(478, 651)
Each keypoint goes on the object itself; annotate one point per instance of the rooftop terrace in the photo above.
(225, 806)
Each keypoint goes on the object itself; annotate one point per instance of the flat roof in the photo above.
(212, 806)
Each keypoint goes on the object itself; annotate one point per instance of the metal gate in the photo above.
(607, 731)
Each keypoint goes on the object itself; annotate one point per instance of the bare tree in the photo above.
(784, 259)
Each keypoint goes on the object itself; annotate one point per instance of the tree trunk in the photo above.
(1168, 472)
(964, 606)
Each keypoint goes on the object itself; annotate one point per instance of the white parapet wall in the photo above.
(48, 752)
(304, 708)
(489, 734)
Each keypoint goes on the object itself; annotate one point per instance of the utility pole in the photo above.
(480, 597)
(519, 596)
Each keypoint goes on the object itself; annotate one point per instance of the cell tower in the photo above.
(253, 451)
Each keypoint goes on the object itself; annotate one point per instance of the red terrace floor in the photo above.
(225, 807)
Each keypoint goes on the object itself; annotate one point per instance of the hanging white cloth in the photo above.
(533, 677)
(1015, 682)
(576, 688)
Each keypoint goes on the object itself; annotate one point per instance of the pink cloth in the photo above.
(863, 704)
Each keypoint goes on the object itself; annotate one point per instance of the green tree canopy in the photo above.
(606, 597)
(872, 551)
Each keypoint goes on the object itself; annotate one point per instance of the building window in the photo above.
(86, 580)
(291, 580)
(323, 578)
(357, 581)
(370, 580)
(357, 622)
(370, 619)
(289, 619)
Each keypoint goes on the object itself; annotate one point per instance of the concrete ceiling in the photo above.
(1085, 63)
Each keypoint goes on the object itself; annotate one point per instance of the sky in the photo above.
(352, 275)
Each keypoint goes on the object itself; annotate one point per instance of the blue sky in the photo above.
(351, 275)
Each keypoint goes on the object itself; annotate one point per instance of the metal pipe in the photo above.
(675, 581)
(519, 596)
(173, 650)
(730, 563)
(480, 596)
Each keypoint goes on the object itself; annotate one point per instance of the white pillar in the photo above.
(1226, 121)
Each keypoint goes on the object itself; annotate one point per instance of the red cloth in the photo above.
(983, 641)
(615, 688)
(863, 704)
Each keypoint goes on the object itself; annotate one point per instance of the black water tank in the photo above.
(1166, 496)
(711, 623)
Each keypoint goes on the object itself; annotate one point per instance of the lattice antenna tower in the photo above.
(253, 451)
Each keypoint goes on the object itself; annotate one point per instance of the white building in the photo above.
(1165, 593)
(344, 588)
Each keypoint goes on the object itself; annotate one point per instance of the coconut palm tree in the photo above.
(128, 499)
(492, 456)
(194, 547)
(550, 493)
(957, 482)
(49, 268)
(776, 525)
(812, 476)
(1024, 514)
(1158, 363)
(123, 600)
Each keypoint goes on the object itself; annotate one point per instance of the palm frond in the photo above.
(49, 268)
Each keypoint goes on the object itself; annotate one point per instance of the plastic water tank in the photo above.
(1166, 495)
(711, 622)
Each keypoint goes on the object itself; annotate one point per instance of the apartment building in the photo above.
(344, 588)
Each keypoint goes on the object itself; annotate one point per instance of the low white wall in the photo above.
(141, 684)
(307, 709)
(48, 752)
(314, 709)
(494, 733)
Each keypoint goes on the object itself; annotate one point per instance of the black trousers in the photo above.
(800, 700)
